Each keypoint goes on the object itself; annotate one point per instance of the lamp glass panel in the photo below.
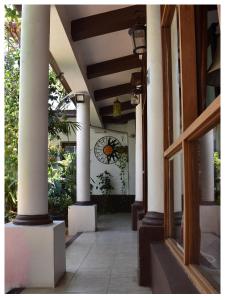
(139, 37)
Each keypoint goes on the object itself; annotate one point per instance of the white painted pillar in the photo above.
(35, 255)
(139, 154)
(83, 151)
(82, 215)
(155, 111)
(33, 112)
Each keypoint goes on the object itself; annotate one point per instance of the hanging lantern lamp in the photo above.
(116, 108)
(134, 99)
(138, 34)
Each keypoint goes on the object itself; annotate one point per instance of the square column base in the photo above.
(34, 255)
(81, 218)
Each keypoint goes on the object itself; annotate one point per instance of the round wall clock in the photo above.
(107, 150)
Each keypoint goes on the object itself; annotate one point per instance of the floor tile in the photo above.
(101, 262)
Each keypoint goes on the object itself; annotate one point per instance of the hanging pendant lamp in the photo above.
(117, 109)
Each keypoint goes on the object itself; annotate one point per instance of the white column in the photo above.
(83, 151)
(33, 111)
(139, 154)
(38, 252)
(82, 215)
(155, 111)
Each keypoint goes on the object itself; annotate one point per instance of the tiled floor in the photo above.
(101, 262)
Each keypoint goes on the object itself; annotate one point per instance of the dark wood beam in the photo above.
(109, 109)
(113, 66)
(107, 22)
(112, 91)
(120, 120)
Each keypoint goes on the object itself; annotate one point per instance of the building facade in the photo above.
(174, 72)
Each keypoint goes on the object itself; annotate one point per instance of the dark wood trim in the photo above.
(113, 66)
(59, 73)
(32, 220)
(201, 54)
(191, 205)
(112, 91)
(167, 13)
(109, 109)
(107, 22)
(167, 86)
(123, 119)
(186, 16)
(206, 121)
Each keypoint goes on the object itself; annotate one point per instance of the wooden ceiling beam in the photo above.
(107, 22)
(112, 91)
(113, 66)
(120, 120)
(109, 109)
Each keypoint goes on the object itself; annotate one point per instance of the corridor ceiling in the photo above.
(103, 50)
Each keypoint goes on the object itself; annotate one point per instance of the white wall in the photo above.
(129, 127)
(98, 167)
(125, 133)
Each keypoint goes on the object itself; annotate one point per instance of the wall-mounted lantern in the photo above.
(134, 99)
(79, 98)
(138, 34)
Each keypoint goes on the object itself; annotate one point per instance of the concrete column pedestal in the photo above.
(82, 218)
(34, 255)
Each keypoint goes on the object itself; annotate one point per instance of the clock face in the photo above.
(107, 150)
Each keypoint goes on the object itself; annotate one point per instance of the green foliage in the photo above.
(104, 183)
(61, 181)
(57, 119)
(217, 177)
(11, 118)
(58, 122)
(122, 163)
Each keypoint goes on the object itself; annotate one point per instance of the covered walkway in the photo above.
(102, 262)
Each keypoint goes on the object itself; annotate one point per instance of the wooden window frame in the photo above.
(194, 127)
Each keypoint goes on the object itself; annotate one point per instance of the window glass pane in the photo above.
(176, 197)
(69, 147)
(213, 57)
(209, 212)
(175, 65)
(207, 54)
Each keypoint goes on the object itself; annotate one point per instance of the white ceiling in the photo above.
(96, 49)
